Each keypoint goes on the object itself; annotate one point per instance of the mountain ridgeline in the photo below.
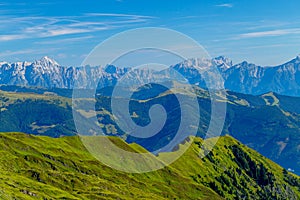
(243, 77)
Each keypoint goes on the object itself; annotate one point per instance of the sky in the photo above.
(264, 32)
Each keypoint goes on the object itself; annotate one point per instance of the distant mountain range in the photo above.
(243, 77)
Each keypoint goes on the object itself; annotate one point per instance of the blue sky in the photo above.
(264, 32)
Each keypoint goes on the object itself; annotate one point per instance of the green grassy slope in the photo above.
(268, 123)
(36, 114)
(39, 167)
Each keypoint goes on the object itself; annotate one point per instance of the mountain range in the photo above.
(244, 77)
(36, 98)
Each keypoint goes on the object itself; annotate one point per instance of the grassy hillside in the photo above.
(39, 167)
(268, 123)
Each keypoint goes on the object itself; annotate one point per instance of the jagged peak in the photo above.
(47, 60)
(192, 62)
(218, 61)
(297, 58)
(223, 59)
(110, 69)
(3, 62)
(222, 62)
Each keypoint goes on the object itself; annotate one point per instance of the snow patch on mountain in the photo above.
(243, 77)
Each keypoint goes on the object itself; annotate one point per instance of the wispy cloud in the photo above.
(267, 46)
(225, 5)
(11, 37)
(272, 24)
(65, 40)
(16, 28)
(12, 53)
(118, 15)
(26, 51)
(66, 31)
(272, 33)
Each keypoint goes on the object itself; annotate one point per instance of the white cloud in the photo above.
(65, 40)
(65, 31)
(26, 51)
(225, 5)
(15, 28)
(118, 15)
(272, 33)
(266, 46)
(11, 37)
(12, 53)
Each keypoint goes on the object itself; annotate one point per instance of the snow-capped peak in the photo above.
(200, 63)
(46, 61)
(298, 57)
(46, 65)
(3, 63)
(222, 62)
(111, 69)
